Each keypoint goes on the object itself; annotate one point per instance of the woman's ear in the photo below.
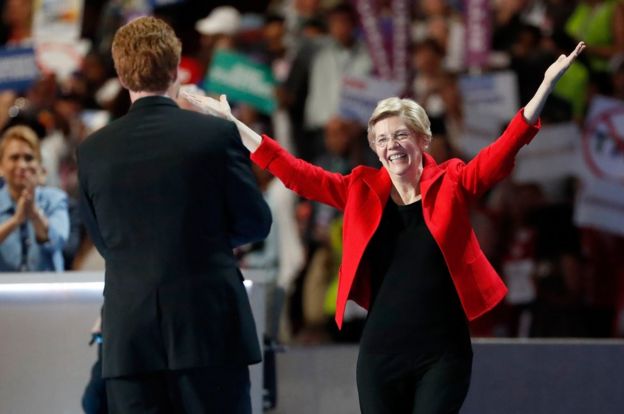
(425, 141)
(42, 175)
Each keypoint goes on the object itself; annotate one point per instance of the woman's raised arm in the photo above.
(221, 108)
(534, 107)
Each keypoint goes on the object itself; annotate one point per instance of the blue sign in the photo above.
(160, 3)
(18, 68)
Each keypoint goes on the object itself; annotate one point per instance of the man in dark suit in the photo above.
(167, 193)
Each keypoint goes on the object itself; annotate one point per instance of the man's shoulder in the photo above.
(208, 129)
(93, 141)
(206, 120)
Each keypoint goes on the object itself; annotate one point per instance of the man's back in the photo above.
(167, 194)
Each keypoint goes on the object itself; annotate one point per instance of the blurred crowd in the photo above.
(564, 280)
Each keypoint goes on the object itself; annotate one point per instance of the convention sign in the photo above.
(478, 32)
(359, 96)
(489, 102)
(242, 80)
(57, 20)
(18, 68)
(57, 26)
(600, 202)
(552, 155)
(61, 58)
(387, 38)
(161, 3)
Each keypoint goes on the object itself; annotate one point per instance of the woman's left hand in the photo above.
(33, 178)
(558, 68)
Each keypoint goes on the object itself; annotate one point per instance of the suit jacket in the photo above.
(167, 193)
(446, 193)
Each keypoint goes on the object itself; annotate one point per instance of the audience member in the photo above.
(34, 222)
(343, 54)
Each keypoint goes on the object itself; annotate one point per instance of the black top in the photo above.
(415, 306)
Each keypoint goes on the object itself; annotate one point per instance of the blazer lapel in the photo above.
(379, 181)
(431, 172)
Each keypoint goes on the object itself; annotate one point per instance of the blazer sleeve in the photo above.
(307, 180)
(87, 211)
(249, 216)
(494, 162)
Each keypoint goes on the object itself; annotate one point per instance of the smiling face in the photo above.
(398, 148)
(18, 164)
(20, 158)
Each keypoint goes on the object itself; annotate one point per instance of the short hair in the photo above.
(21, 133)
(345, 9)
(408, 110)
(431, 45)
(146, 53)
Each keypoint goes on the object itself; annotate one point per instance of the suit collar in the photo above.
(149, 101)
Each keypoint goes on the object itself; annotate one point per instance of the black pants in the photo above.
(94, 396)
(194, 391)
(403, 384)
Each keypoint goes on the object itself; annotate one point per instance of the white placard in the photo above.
(489, 102)
(61, 58)
(552, 155)
(57, 20)
(360, 95)
(600, 203)
(519, 279)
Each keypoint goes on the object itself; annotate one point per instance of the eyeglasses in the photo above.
(399, 136)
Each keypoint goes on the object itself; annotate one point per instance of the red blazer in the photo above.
(446, 193)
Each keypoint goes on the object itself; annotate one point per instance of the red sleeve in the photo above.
(305, 179)
(494, 162)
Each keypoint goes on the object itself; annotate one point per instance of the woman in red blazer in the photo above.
(410, 255)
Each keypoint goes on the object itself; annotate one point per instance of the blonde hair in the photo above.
(146, 53)
(408, 110)
(21, 133)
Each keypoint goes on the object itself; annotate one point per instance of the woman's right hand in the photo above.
(208, 105)
(22, 207)
(221, 108)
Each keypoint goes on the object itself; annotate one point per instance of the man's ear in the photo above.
(121, 83)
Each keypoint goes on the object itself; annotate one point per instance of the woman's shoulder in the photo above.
(365, 171)
(51, 194)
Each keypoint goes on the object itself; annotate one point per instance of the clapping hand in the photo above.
(22, 207)
(25, 205)
(28, 193)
